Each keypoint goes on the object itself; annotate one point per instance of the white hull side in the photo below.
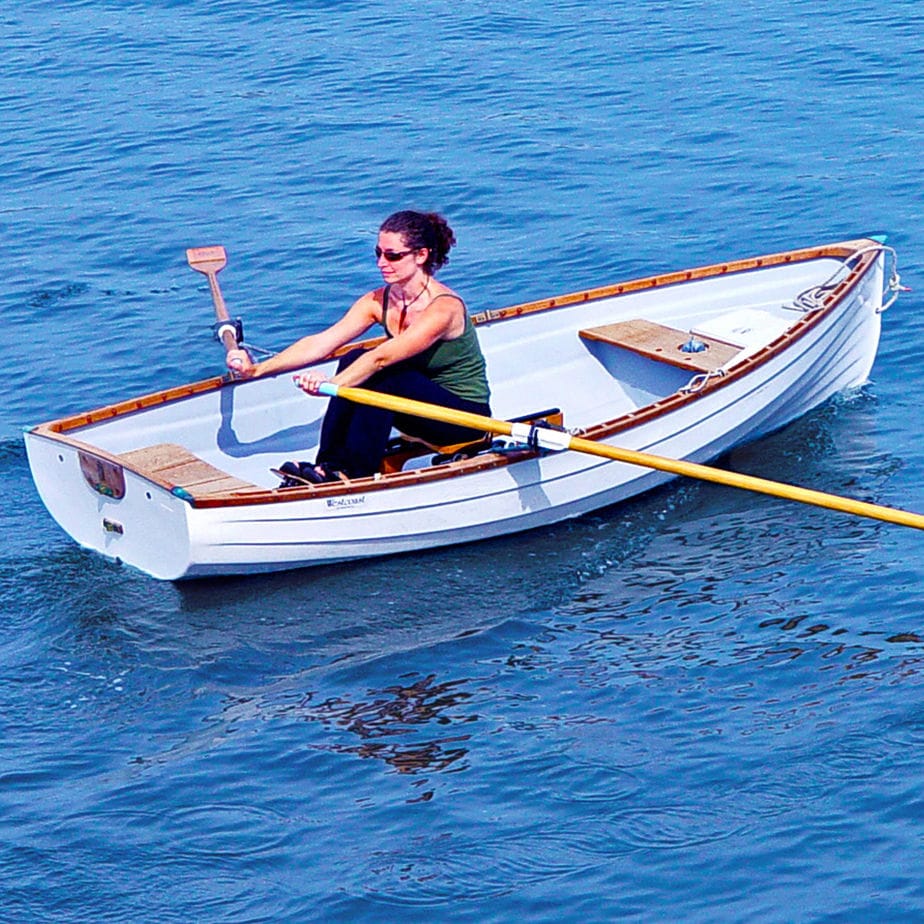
(155, 523)
(537, 492)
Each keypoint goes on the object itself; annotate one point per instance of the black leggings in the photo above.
(354, 436)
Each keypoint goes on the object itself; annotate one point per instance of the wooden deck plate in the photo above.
(656, 341)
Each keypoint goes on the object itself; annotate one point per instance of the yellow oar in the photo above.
(545, 438)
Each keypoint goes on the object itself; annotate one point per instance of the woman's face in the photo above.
(392, 244)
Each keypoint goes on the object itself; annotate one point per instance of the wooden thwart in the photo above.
(177, 466)
(662, 343)
(408, 447)
(405, 448)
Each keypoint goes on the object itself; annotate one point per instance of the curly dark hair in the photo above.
(423, 229)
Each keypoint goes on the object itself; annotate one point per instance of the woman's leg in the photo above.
(354, 436)
(415, 385)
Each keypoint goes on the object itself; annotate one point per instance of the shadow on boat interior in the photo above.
(295, 438)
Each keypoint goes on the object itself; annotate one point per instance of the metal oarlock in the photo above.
(234, 326)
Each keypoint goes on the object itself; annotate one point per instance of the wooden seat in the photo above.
(404, 448)
(178, 467)
(662, 343)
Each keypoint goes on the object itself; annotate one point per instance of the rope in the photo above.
(698, 382)
(815, 298)
(258, 350)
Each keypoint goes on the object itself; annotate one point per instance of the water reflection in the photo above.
(400, 711)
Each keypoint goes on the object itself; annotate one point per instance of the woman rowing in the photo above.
(430, 353)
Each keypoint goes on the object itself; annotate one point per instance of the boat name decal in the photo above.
(346, 501)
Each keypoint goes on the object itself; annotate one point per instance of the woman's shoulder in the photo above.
(371, 302)
(443, 292)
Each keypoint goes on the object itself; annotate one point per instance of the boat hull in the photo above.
(173, 532)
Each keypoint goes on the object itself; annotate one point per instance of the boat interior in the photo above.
(592, 359)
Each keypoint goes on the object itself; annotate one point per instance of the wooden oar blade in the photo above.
(206, 259)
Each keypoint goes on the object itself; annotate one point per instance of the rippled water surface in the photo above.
(699, 706)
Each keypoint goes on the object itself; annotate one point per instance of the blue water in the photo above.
(700, 706)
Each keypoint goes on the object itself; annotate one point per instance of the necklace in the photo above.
(405, 304)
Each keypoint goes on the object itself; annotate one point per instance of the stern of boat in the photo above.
(110, 509)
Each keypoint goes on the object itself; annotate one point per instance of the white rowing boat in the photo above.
(683, 365)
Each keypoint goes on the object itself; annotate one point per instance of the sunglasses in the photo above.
(390, 255)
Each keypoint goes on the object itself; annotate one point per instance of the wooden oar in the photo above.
(544, 438)
(210, 260)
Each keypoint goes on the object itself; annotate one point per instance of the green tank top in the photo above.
(457, 365)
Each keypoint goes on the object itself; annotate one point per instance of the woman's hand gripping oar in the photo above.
(209, 261)
(557, 440)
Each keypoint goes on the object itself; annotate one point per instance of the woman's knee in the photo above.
(349, 358)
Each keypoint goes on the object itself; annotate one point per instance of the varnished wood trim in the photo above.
(647, 283)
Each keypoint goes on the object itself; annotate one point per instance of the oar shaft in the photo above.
(221, 311)
(552, 439)
(751, 483)
(417, 408)
(226, 330)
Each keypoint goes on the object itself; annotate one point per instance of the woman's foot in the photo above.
(317, 473)
(300, 473)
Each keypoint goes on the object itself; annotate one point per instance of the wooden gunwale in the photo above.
(131, 405)
(259, 495)
(844, 249)
(55, 430)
